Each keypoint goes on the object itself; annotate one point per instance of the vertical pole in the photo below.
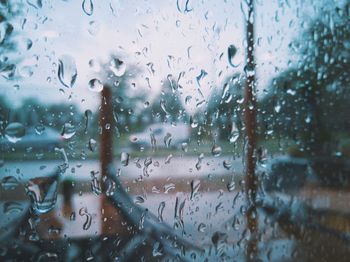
(250, 125)
(106, 151)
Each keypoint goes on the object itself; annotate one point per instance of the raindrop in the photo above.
(216, 150)
(88, 218)
(219, 240)
(8, 72)
(168, 158)
(124, 158)
(139, 200)
(111, 186)
(234, 137)
(201, 76)
(227, 164)
(14, 132)
(92, 144)
(88, 7)
(148, 161)
(184, 147)
(12, 207)
(231, 51)
(39, 129)
(68, 131)
(95, 184)
(277, 108)
(42, 193)
(202, 227)
(199, 162)
(95, 85)
(193, 122)
(188, 100)
(9, 183)
(160, 211)
(231, 186)
(153, 142)
(67, 70)
(88, 115)
(118, 67)
(158, 249)
(169, 187)
(179, 212)
(167, 140)
(183, 6)
(5, 31)
(195, 184)
(35, 3)
(72, 216)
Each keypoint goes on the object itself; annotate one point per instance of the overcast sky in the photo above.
(141, 32)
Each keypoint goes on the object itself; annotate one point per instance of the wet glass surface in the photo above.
(174, 130)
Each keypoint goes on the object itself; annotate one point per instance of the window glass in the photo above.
(174, 130)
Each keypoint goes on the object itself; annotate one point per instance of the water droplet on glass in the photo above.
(277, 108)
(167, 140)
(201, 76)
(118, 67)
(168, 159)
(193, 122)
(231, 186)
(8, 72)
(234, 137)
(231, 51)
(169, 187)
(14, 132)
(35, 3)
(92, 144)
(160, 211)
(67, 70)
(216, 150)
(148, 161)
(179, 212)
(95, 184)
(39, 129)
(188, 100)
(42, 193)
(139, 200)
(88, 218)
(184, 147)
(157, 249)
(12, 207)
(195, 184)
(88, 7)
(111, 186)
(95, 85)
(183, 6)
(202, 227)
(68, 130)
(124, 158)
(9, 183)
(227, 164)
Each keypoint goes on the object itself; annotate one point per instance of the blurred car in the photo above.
(162, 135)
(48, 138)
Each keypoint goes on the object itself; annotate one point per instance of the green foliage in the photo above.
(308, 102)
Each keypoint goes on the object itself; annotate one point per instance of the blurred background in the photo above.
(177, 73)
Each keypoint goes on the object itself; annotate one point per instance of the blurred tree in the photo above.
(225, 107)
(8, 10)
(167, 106)
(128, 93)
(307, 101)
